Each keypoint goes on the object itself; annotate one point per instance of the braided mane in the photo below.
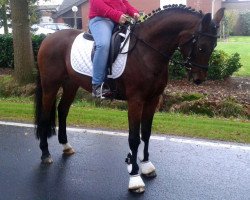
(179, 7)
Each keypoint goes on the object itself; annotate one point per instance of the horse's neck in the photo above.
(163, 32)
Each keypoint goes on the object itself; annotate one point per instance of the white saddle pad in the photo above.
(80, 57)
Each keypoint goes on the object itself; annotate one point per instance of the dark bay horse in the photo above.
(143, 81)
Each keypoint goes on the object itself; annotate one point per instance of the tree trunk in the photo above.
(23, 53)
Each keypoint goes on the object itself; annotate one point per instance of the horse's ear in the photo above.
(206, 21)
(218, 16)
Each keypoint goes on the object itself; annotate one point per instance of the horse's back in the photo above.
(55, 50)
(58, 42)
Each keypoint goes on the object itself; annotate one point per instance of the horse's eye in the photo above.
(201, 50)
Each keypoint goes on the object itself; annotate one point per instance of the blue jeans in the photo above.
(101, 29)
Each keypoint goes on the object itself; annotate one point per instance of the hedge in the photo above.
(6, 49)
(221, 64)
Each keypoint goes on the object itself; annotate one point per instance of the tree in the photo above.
(23, 54)
(3, 15)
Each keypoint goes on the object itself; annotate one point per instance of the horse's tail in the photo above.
(45, 123)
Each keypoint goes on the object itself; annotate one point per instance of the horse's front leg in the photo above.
(136, 183)
(147, 168)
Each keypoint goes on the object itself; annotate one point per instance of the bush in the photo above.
(36, 42)
(221, 66)
(9, 87)
(176, 71)
(230, 108)
(7, 52)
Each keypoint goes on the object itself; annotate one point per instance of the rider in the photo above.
(104, 15)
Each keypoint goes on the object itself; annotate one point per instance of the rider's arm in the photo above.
(130, 9)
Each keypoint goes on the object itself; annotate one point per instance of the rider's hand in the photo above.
(123, 19)
(136, 16)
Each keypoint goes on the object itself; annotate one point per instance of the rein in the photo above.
(187, 63)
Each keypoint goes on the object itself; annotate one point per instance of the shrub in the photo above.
(176, 71)
(9, 87)
(7, 52)
(36, 42)
(230, 108)
(221, 66)
(170, 100)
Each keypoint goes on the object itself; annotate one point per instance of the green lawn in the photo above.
(241, 45)
(166, 123)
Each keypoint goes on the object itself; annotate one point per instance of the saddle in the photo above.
(118, 36)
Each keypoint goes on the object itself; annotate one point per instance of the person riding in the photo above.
(103, 16)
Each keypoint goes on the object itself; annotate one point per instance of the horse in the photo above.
(152, 43)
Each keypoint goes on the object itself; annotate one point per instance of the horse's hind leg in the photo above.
(69, 92)
(147, 168)
(46, 127)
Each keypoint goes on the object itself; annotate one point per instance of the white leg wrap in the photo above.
(67, 146)
(147, 167)
(135, 182)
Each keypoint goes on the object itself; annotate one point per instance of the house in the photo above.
(66, 15)
(47, 9)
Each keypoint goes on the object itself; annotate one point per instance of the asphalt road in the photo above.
(187, 169)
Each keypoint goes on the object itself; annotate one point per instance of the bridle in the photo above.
(193, 40)
(187, 63)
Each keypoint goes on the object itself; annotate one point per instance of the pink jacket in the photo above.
(112, 9)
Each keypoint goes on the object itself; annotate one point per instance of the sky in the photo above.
(50, 2)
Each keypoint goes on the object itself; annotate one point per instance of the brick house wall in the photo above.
(145, 6)
(205, 5)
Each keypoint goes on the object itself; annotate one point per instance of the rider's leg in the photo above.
(101, 29)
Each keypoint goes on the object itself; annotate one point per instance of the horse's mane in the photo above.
(173, 7)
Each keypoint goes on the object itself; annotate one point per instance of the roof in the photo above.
(47, 7)
(67, 6)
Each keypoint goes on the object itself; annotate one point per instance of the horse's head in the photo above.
(197, 46)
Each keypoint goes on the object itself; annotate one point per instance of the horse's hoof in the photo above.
(136, 184)
(47, 160)
(148, 169)
(67, 149)
(138, 190)
(150, 175)
(68, 152)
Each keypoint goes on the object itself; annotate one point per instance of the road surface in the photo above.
(186, 168)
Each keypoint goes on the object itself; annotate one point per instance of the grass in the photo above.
(166, 123)
(241, 45)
